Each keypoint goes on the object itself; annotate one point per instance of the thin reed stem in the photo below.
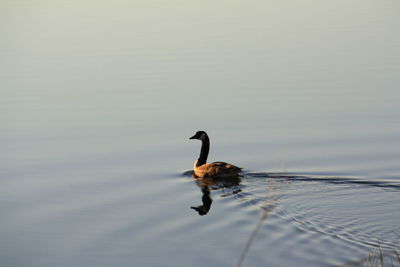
(380, 253)
(263, 216)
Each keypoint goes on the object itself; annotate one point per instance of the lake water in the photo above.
(99, 99)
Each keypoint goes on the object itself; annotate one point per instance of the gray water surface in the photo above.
(99, 99)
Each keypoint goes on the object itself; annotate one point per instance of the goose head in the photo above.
(200, 135)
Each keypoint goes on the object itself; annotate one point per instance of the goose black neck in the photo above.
(205, 147)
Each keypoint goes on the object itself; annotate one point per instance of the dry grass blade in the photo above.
(367, 261)
(380, 253)
(397, 255)
(251, 238)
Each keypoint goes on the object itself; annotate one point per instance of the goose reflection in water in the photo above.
(208, 184)
(206, 199)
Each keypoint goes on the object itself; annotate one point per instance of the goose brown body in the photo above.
(217, 169)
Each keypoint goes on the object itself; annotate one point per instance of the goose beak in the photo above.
(193, 137)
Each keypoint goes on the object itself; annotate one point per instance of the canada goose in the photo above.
(215, 169)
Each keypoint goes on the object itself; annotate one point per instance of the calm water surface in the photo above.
(99, 99)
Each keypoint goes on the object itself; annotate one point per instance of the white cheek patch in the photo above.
(202, 136)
